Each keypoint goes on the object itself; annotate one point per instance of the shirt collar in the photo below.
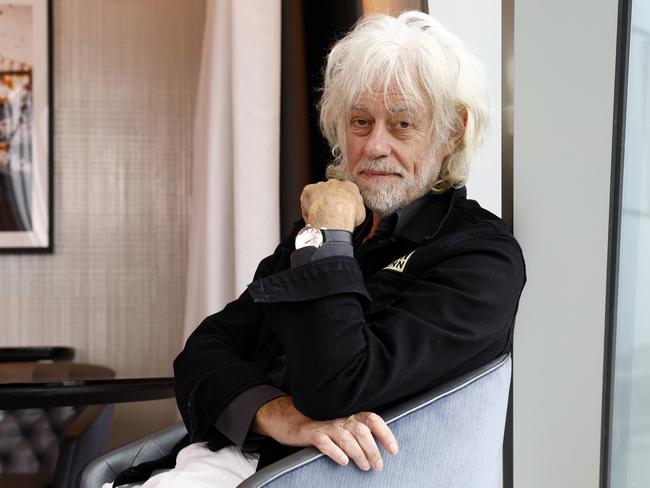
(431, 216)
(417, 221)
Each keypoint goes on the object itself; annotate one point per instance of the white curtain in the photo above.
(234, 218)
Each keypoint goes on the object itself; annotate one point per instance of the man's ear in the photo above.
(458, 136)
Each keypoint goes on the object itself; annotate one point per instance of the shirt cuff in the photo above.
(309, 254)
(235, 420)
(323, 277)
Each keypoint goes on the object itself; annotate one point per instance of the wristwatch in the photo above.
(312, 236)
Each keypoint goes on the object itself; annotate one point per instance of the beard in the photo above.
(387, 196)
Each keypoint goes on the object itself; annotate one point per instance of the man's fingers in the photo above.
(367, 442)
(352, 438)
(303, 211)
(349, 444)
(324, 444)
(333, 204)
(380, 430)
(305, 201)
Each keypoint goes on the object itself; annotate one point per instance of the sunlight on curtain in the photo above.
(235, 217)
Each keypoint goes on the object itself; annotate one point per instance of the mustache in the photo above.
(380, 165)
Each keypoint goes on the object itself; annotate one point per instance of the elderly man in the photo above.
(394, 282)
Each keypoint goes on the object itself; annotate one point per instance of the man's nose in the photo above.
(378, 143)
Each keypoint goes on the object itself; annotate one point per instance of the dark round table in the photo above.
(40, 385)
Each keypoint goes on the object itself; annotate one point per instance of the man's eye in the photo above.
(360, 123)
(403, 124)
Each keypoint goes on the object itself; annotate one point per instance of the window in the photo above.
(629, 441)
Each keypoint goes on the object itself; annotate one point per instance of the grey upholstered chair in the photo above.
(450, 436)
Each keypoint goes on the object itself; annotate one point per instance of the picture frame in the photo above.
(26, 156)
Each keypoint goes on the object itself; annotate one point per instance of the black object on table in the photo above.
(36, 353)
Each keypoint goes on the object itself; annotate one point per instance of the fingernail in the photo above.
(379, 466)
(365, 467)
(392, 448)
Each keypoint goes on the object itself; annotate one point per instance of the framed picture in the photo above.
(25, 126)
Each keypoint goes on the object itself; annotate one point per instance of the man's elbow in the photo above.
(321, 405)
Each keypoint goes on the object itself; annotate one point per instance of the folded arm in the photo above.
(340, 439)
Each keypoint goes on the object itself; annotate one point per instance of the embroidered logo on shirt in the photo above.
(399, 264)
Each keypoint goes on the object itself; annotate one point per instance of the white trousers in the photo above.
(199, 467)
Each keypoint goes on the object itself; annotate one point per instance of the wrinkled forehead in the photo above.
(392, 102)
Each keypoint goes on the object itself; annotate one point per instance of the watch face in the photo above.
(309, 236)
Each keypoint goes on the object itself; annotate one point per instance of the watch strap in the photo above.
(336, 235)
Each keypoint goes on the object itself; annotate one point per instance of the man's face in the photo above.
(389, 152)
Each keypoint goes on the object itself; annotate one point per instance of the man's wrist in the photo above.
(311, 236)
(235, 419)
(336, 221)
(280, 420)
(347, 225)
(267, 414)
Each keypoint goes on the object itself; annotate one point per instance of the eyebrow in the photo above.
(393, 110)
(360, 108)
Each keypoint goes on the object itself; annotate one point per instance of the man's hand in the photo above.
(332, 204)
(339, 439)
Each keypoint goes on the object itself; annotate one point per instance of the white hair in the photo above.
(416, 56)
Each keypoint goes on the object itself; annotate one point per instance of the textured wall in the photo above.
(126, 75)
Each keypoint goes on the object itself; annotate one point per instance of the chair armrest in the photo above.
(105, 468)
(282, 473)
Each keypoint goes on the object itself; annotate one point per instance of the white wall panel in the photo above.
(564, 91)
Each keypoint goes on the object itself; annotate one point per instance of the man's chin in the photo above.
(387, 199)
(384, 204)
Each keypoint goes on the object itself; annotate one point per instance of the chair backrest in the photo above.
(451, 436)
